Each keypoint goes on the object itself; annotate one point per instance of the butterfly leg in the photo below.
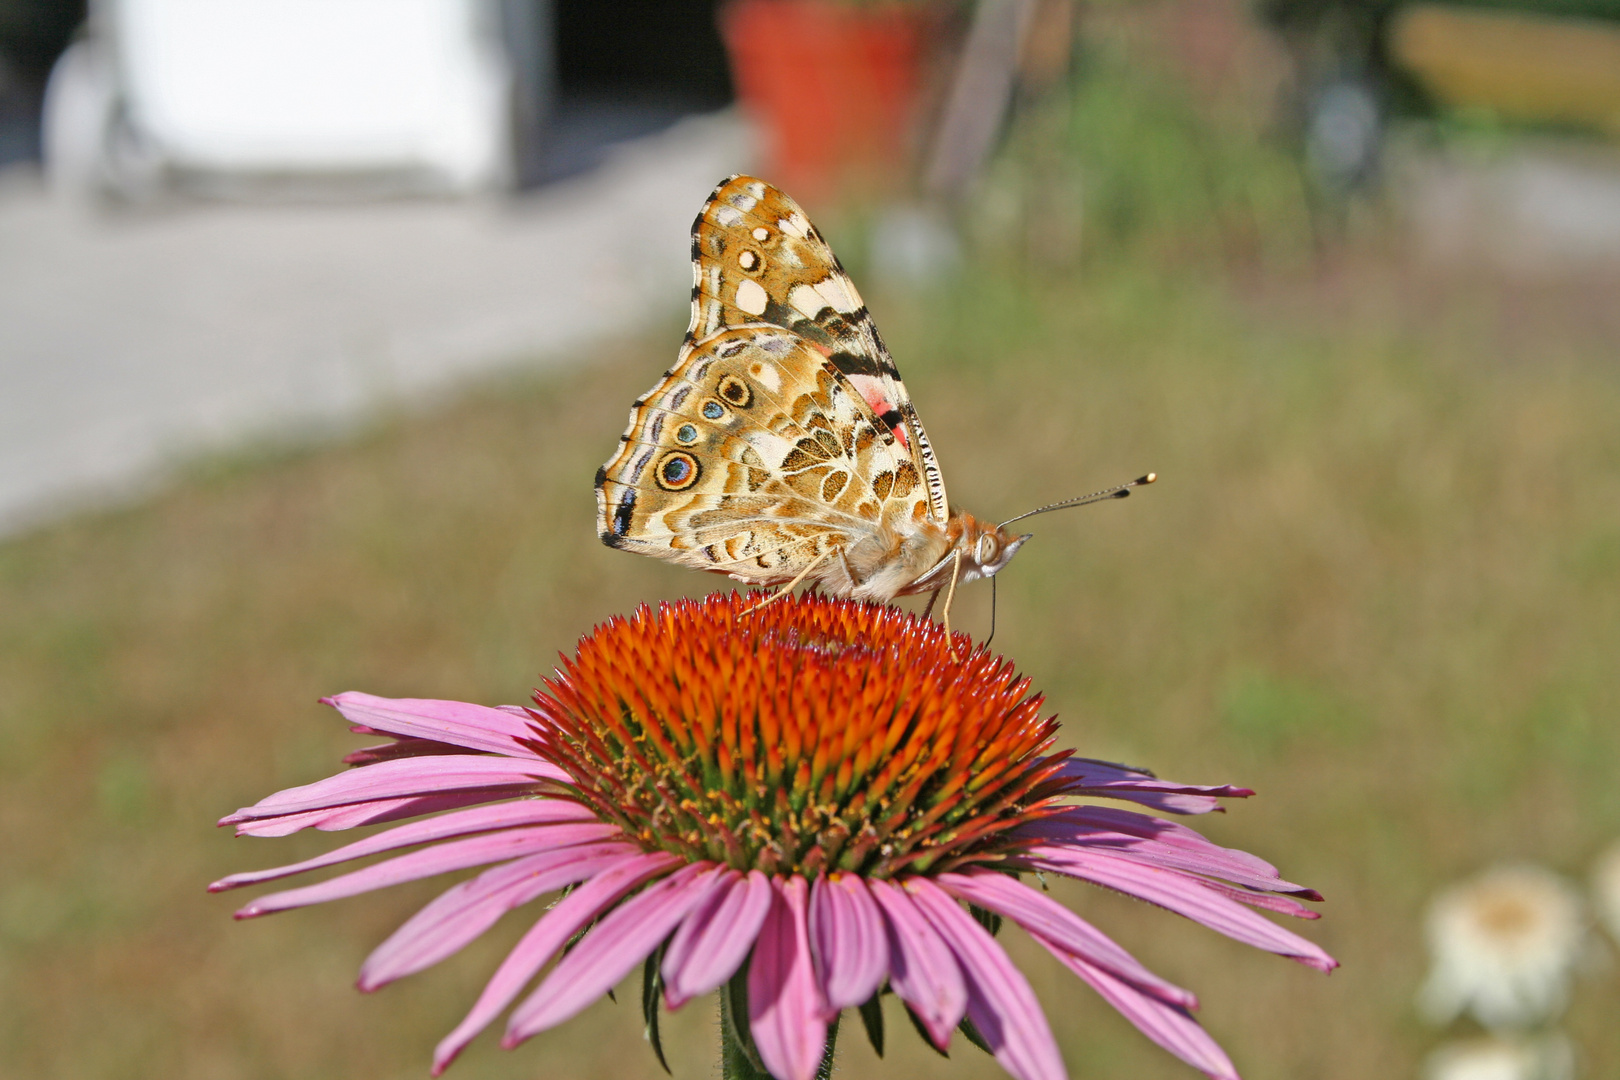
(950, 594)
(790, 586)
(849, 571)
(929, 609)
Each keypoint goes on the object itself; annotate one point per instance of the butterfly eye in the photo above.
(986, 550)
(713, 410)
(677, 471)
(686, 435)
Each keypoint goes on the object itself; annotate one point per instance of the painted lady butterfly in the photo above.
(782, 446)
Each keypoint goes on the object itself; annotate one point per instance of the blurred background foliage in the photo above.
(1379, 583)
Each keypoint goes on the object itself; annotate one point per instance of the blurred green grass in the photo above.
(1379, 583)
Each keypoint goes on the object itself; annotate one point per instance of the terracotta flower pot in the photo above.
(833, 86)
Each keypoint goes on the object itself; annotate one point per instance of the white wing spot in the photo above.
(751, 297)
(761, 233)
(712, 323)
(839, 293)
(806, 301)
(727, 216)
(768, 375)
(795, 224)
(748, 260)
(743, 202)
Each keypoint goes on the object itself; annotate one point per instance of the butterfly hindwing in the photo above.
(756, 258)
(753, 457)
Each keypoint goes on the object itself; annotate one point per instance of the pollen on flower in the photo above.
(808, 736)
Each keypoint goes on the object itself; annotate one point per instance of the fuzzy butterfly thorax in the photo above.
(782, 446)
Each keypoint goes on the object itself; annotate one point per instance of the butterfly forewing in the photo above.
(756, 258)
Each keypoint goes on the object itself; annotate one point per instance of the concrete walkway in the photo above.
(129, 342)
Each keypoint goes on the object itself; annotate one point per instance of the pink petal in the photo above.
(1109, 780)
(1161, 843)
(1168, 1025)
(1183, 895)
(1059, 927)
(544, 938)
(456, 855)
(922, 968)
(398, 779)
(785, 1010)
(620, 941)
(1000, 1002)
(462, 912)
(462, 823)
(460, 723)
(849, 941)
(333, 819)
(715, 938)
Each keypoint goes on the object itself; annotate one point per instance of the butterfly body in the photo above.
(782, 445)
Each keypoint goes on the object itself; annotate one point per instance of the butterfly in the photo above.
(782, 446)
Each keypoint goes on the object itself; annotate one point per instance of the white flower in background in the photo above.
(1503, 944)
(1606, 888)
(1547, 1058)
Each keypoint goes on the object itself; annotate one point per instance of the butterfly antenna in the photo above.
(1120, 492)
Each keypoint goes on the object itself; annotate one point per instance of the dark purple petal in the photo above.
(402, 748)
(462, 823)
(1158, 842)
(785, 1010)
(1281, 905)
(848, 940)
(1182, 894)
(620, 941)
(460, 723)
(462, 912)
(715, 938)
(999, 1000)
(544, 938)
(1168, 1025)
(1041, 915)
(922, 968)
(380, 811)
(1107, 779)
(456, 855)
(399, 779)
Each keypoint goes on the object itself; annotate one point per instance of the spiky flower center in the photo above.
(808, 735)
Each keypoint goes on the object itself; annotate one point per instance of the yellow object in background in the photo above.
(1522, 67)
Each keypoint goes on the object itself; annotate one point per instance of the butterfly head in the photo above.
(985, 547)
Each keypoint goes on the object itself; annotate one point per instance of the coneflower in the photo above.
(790, 806)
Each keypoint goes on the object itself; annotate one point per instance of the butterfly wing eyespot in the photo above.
(677, 471)
(735, 391)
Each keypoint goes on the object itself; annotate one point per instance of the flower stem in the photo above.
(738, 1058)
